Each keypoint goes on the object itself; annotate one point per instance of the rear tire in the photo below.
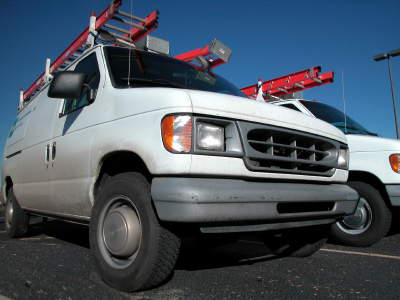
(369, 224)
(17, 220)
(296, 242)
(130, 249)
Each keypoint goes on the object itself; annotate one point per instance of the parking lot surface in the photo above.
(53, 262)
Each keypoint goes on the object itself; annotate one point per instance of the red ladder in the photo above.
(273, 88)
(214, 47)
(291, 83)
(94, 31)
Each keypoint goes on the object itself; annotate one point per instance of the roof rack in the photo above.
(95, 31)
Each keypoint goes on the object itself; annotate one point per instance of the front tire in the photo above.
(370, 223)
(130, 249)
(17, 220)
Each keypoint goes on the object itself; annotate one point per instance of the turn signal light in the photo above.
(177, 133)
(394, 162)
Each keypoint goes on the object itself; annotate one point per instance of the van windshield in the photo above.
(133, 68)
(335, 117)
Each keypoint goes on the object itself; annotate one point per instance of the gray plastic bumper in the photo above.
(393, 191)
(203, 200)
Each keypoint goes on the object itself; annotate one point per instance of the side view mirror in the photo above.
(67, 84)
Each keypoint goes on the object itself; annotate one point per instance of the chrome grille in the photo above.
(274, 149)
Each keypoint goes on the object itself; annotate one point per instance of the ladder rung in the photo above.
(130, 16)
(316, 80)
(117, 28)
(76, 55)
(129, 23)
(299, 85)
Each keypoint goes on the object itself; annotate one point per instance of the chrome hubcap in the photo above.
(122, 232)
(360, 221)
(119, 232)
(9, 213)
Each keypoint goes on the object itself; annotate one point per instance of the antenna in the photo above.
(344, 107)
(130, 50)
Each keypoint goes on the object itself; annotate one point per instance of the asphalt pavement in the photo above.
(53, 262)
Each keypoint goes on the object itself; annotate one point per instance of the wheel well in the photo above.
(372, 180)
(9, 184)
(120, 162)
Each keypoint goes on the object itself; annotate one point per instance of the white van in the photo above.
(374, 174)
(145, 148)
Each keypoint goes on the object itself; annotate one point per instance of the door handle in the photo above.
(53, 151)
(47, 153)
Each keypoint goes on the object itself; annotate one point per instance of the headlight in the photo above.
(200, 135)
(343, 160)
(210, 137)
(394, 162)
(177, 133)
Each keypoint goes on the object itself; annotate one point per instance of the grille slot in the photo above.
(275, 149)
(304, 207)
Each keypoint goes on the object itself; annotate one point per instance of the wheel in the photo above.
(296, 242)
(17, 220)
(370, 223)
(130, 249)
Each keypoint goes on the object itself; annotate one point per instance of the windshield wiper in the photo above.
(154, 81)
(359, 130)
(347, 127)
(168, 83)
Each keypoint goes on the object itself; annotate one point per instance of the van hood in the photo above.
(369, 143)
(234, 107)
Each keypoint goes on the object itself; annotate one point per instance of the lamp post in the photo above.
(387, 56)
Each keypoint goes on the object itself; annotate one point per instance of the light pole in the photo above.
(387, 56)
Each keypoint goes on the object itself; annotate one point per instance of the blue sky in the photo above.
(269, 39)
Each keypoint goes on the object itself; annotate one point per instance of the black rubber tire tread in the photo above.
(20, 219)
(159, 250)
(381, 219)
(296, 242)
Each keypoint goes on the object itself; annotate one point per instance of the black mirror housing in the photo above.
(67, 84)
(91, 95)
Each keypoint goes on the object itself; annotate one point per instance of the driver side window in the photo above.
(91, 67)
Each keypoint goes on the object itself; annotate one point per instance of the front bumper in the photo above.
(393, 191)
(239, 205)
